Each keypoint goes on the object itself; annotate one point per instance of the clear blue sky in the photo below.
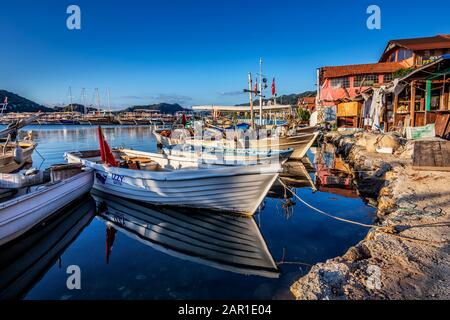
(193, 51)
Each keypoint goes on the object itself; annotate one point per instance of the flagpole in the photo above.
(250, 88)
(260, 91)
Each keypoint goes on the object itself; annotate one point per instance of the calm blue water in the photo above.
(136, 270)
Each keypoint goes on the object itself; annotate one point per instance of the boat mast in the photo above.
(97, 95)
(260, 91)
(83, 99)
(70, 97)
(109, 102)
(250, 92)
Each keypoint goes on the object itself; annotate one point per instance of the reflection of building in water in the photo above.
(23, 261)
(226, 242)
(333, 174)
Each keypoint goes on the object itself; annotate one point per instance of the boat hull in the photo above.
(21, 214)
(300, 143)
(7, 162)
(237, 189)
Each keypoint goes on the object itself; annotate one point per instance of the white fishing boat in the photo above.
(15, 155)
(299, 142)
(168, 180)
(228, 156)
(31, 205)
(226, 242)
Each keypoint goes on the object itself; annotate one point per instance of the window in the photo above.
(343, 82)
(404, 54)
(388, 77)
(366, 80)
(392, 57)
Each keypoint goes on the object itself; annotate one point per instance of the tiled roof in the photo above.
(309, 99)
(359, 69)
(441, 41)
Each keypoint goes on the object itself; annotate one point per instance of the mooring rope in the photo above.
(325, 213)
(383, 229)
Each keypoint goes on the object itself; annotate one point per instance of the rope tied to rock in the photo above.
(325, 213)
(388, 230)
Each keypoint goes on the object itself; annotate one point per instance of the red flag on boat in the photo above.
(274, 91)
(256, 87)
(184, 120)
(6, 100)
(105, 151)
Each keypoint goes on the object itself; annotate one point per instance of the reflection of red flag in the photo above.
(274, 91)
(105, 151)
(184, 120)
(110, 237)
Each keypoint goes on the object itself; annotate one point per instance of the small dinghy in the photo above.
(57, 187)
(167, 180)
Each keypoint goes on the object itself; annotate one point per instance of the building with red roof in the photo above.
(344, 83)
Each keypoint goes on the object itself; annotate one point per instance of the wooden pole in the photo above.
(396, 98)
(427, 100)
(250, 89)
(412, 107)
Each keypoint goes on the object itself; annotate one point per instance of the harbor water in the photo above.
(119, 261)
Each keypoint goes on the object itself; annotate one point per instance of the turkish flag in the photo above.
(105, 151)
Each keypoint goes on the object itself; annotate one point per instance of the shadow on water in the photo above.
(136, 251)
(25, 260)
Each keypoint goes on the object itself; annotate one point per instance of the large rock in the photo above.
(372, 141)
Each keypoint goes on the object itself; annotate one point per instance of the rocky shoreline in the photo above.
(406, 256)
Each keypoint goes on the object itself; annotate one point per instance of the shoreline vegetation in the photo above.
(407, 255)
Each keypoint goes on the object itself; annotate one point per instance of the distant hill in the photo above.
(17, 103)
(290, 99)
(159, 107)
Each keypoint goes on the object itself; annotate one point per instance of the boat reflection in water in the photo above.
(226, 242)
(25, 260)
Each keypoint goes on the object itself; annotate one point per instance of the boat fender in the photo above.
(18, 155)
